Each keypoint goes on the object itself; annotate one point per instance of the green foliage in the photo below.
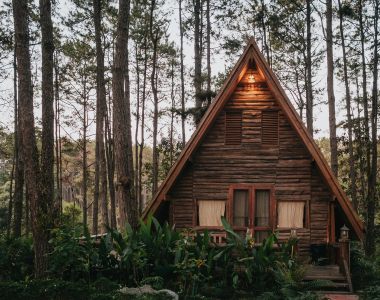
(45, 289)
(364, 271)
(72, 260)
(16, 258)
(156, 282)
(371, 293)
(72, 214)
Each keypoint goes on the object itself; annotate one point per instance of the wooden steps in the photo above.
(331, 272)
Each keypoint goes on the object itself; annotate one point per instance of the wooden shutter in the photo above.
(233, 128)
(269, 131)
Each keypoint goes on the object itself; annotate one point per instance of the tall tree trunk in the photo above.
(38, 199)
(309, 90)
(182, 79)
(197, 63)
(330, 88)
(19, 181)
(111, 172)
(84, 161)
(57, 140)
(208, 54)
(154, 39)
(16, 132)
(27, 211)
(349, 120)
(370, 236)
(47, 87)
(138, 199)
(101, 106)
(172, 114)
(141, 203)
(124, 178)
(264, 31)
(364, 85)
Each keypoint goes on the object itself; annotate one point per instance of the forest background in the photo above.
(126, 83)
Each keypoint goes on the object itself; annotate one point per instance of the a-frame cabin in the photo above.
(252, 160)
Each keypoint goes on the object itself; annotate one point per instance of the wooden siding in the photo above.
(288, 165)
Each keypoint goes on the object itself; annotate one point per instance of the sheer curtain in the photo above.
(210, 212)
(240, 208)
(262, 207)
(290, 214)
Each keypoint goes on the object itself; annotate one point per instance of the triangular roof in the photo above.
(252, 52)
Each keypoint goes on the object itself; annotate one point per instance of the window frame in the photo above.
(251, 206)
(195, 215)
(306, 214)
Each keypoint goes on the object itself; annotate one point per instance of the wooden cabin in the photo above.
(252, 160)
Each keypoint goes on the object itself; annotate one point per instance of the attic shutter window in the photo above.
(269, 131)
(233, 128)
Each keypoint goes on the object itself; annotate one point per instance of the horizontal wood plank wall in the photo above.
(288, 165)
(182, 200)
(320, 197)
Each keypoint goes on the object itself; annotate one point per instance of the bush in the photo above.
(364, 271)
(16, 258)
(371, 293)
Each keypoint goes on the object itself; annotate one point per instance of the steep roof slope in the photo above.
(252, 52)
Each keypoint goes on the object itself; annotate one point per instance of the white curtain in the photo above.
(290, 214)
(240, 208)
(262, 211)
(210, 212)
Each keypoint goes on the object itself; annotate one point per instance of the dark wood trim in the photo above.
(332, 222)
(251, 205)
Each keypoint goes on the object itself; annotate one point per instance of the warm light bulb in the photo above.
(251, 78)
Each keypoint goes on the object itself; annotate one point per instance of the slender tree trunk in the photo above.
(100, 160)
(47, 87)
(348, 108)
(138, 199)
(84, 161)
(208, 54)
(360, 147)
(122, 144)
(19, 182)
(27, 211)
(264, 31)
(154, 39)
(182, 79)
(197, 63)
(142, 126)
(309, 90)
(10, 205)
(111, 172)
(57, 141)
(19, 167)
(172, 114)
(330, 88)
(370, 236)
(365, 99)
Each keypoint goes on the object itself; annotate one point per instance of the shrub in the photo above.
(371, 293)
(16, 258)
(364, 271)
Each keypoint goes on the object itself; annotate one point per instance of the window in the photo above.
(291, 214)
(233, 128)
(252, 207)
(269, 130)
(210, 211)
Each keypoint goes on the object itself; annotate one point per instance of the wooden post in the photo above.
(344, 253)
